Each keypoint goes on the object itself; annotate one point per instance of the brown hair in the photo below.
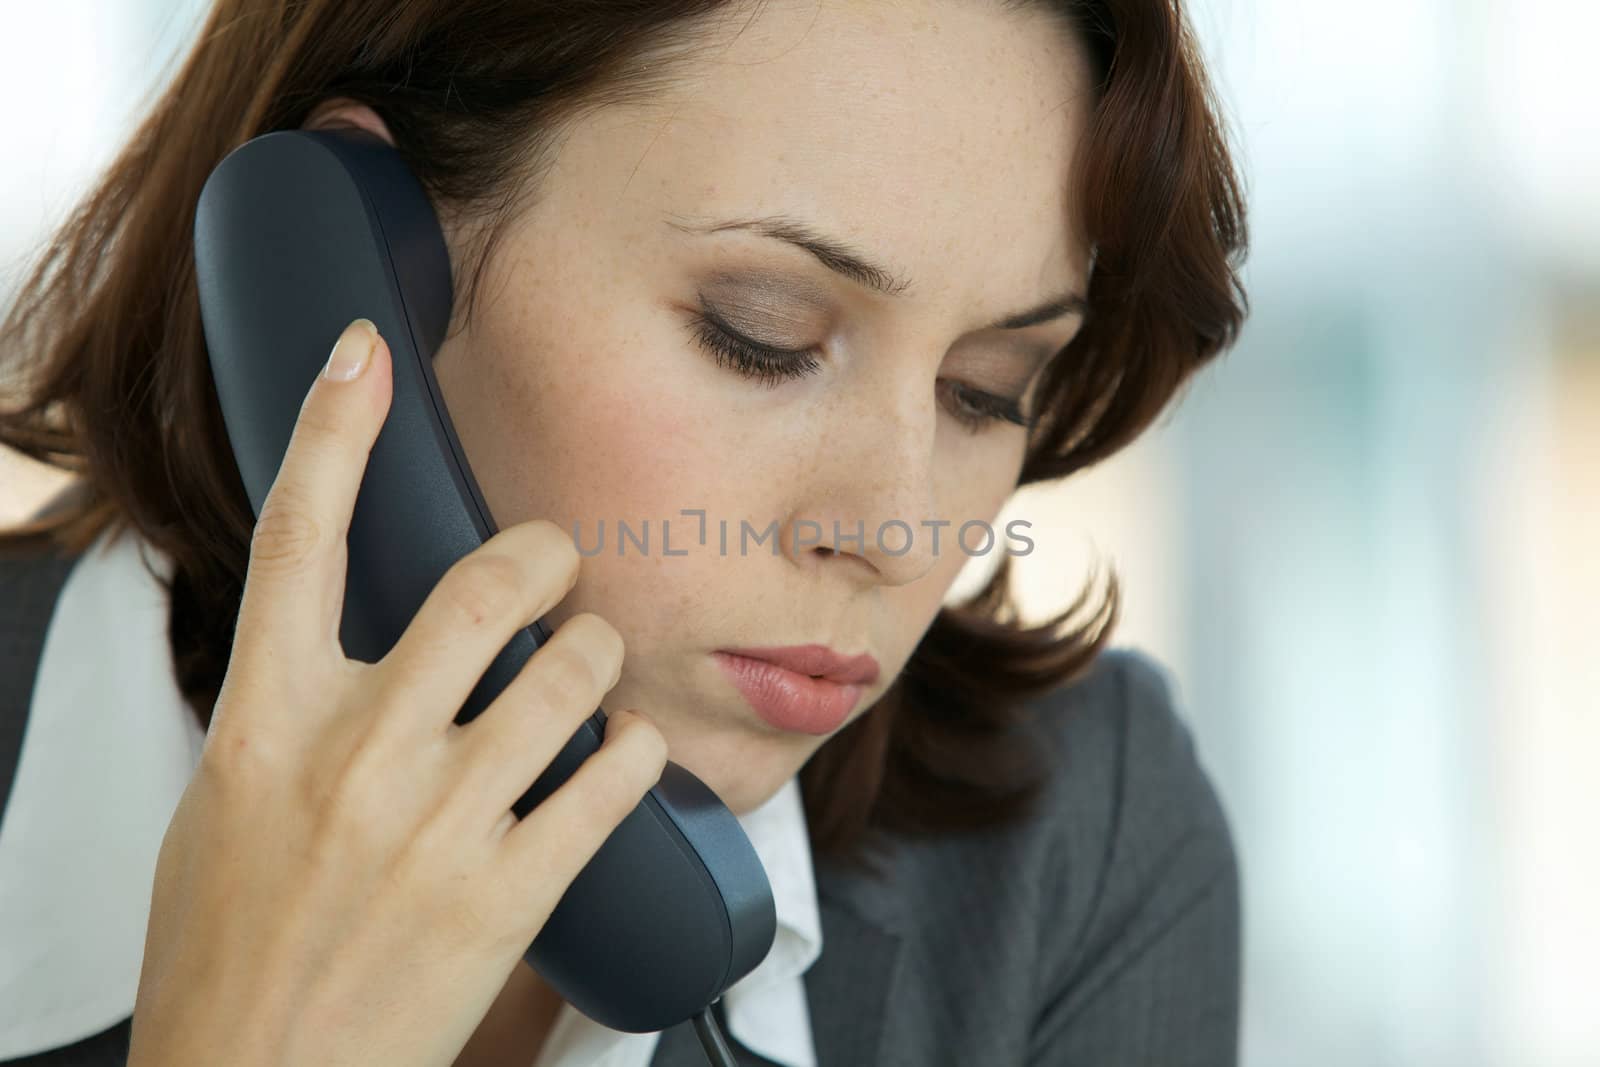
(105, 345)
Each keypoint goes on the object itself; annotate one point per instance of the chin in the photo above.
(746, 791)
(731, 749)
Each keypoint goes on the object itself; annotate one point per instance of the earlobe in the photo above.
(344, 112)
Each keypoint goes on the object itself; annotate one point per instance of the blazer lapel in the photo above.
(849, 987)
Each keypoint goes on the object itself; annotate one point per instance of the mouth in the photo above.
(816, 661)
(800, 688)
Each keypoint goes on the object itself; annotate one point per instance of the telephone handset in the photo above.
(298, 232)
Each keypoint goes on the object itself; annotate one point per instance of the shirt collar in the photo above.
(109, 748)
(767, 1009)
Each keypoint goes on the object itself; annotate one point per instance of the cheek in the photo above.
(626, 450)
(600, 430)
(583, 427)
(974, 476)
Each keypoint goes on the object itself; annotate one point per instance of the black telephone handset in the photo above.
(297, 233)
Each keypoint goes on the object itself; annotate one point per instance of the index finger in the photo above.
(294, 590)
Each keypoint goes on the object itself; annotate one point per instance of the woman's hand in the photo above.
(343, 881)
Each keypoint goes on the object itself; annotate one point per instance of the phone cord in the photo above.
(711, 1039)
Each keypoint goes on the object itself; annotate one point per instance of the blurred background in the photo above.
(1366, 544)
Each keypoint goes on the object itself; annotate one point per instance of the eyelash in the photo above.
(772, 366)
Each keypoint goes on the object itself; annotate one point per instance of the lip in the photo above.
(816, 661)
(795, 700)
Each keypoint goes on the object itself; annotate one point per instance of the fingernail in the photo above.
(352, 352)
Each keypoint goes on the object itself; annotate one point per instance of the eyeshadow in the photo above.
(764, 301)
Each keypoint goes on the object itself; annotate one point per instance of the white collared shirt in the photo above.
(109, 748)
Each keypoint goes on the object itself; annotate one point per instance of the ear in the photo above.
(344, 112)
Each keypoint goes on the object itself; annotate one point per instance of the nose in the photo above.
(869, 502)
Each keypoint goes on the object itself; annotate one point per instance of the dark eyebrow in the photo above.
(842, 259)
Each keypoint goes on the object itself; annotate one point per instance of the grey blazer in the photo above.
(1104, 933)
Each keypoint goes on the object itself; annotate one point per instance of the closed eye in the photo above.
(771, 366)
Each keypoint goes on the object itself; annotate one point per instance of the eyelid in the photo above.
(772, 366)
(744, 315)
(768, 293)
(770, 289)
(714, 314)
(764, 294)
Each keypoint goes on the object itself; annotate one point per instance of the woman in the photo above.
(832, 266)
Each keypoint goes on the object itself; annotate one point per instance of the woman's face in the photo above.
(934, 139)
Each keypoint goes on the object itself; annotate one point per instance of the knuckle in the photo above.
(286, 535)
(239, 751)
(345, 812)
(318, 424)
(485, 586)
(640, 754)
(234, 764)
(352, 798)
(563, 675)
